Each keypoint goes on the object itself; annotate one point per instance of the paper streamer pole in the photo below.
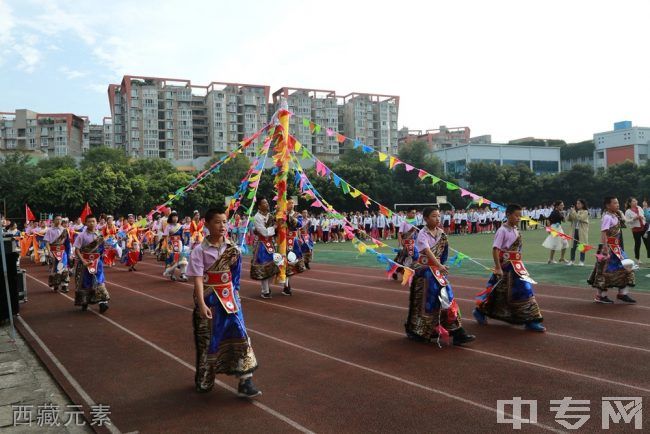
(282, 157)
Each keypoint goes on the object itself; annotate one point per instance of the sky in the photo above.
(512, 69)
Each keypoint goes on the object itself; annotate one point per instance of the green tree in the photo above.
(102, 154)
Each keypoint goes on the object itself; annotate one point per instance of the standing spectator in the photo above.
(325, 226)
(635, 220)
(579, 218)
(554, 243)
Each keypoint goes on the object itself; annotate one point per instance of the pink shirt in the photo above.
(425, 240)
(53, 234)
(84, 238)
(405, 226)
(608, 221)
(202, 257)
(504, 237)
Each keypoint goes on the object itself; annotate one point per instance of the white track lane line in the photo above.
(487, 353)
(73, 382)
(257, 404)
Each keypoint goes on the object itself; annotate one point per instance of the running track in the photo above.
(333, 358)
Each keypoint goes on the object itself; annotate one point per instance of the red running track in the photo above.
(333, 357)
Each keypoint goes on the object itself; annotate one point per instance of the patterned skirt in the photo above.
(425, 311)
(610, 273)
(222, 344)
(89, 288)
(262, 265)
(509, 299)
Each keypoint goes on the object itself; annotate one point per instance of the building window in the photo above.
(540, 167)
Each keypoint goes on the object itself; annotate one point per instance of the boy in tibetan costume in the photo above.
(509, 294)
(58, 245)
(433, 312)
(610, 271)
(407, 233)
(89, 271)
(263, 267)
(297, 265)
(306, 242)
(222, 343)
(177, 251)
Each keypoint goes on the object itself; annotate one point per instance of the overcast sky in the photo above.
(548, 69)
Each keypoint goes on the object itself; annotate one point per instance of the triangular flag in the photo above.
(382, 156)
(345, 187)
(86, 212)
(408, 167)
(29, 215)
(357, 143)
(354, 192)
(393, 162)
(337, 180)
(297, 146)
(422, 174)
(366, 149)
(340, 138)
(452, 186)
(329, 132)
(305, 122)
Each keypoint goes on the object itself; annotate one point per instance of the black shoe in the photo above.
(84, 307)
(286, 290)
(130, 269)
(201, 390)
(266, 295)
(307, 266)
(394, 276)
(461, 337)
(625, 298)
(603, 299)
(64, 289)
(247, 389)
(103, 307)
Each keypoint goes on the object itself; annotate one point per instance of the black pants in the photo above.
(638, 239)
(575, 247)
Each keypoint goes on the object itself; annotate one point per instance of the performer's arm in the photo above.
(434, 261)
(399, 237)
(497, 262)
(204, 310)
(603, 241)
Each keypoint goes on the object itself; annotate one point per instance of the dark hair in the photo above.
(628, 202)
(608, 200)
(172, 214)
(426, 212)
(511, 208)
(209, 214)
(557, 203)
(583, 202)
(156, 215)
(412, 209)
(89, 216)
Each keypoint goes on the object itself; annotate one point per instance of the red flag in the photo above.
(86, 212)
(29, 215)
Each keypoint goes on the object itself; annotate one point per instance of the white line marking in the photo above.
(257, 404)
(629, 347)
(77, 387)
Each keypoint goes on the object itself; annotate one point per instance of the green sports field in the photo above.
(478, 247)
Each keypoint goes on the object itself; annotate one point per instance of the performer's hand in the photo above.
(498, 271)
(205, 311)
(444, 269)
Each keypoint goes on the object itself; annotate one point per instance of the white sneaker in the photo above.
(570, 263)
(581, 264)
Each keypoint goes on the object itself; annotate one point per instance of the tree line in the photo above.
(110, 182)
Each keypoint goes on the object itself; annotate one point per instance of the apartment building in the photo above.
(319, 106)
(51, 134)
(107, 127)
(155, 117)
(370, 118)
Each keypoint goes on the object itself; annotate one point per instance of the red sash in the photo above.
(267, 242)
(57, 250)
(410, 246)
(614, 246)
(90, 261)
(291, 238)
(516, 260)
(435, 270)
(221, 283)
